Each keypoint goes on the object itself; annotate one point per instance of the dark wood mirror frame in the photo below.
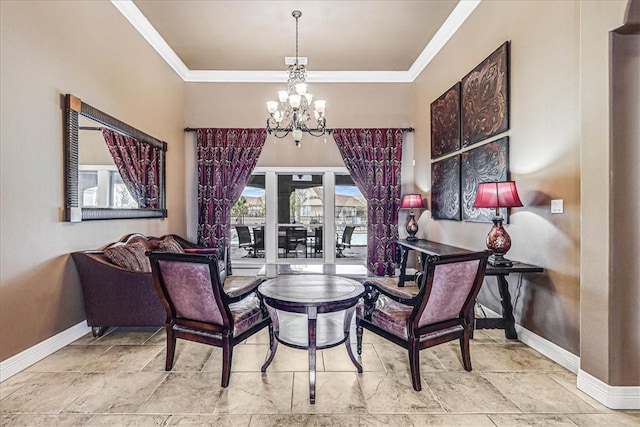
(73, 212)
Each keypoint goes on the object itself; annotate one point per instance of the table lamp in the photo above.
(412, 201)
(498, 195)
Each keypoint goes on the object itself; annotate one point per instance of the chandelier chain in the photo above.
(296, 36)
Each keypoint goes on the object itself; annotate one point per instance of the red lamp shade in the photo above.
(497, 195)
(412, 201)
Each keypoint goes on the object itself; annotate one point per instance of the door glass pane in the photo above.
(247, 215)
(351, 219)
(250, 207)
(300, 215)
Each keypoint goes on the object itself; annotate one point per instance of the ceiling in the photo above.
(344, 41)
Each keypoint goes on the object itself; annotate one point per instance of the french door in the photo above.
(297, 215)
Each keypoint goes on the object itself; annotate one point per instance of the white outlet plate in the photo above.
(557, 206)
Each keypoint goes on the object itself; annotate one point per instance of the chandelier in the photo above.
(292, 112)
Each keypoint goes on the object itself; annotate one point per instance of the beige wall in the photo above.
(559, 149)
(609, 292)
(544, 152)
(87, 49)
(348, 105)
(625, 238)
(92, 149)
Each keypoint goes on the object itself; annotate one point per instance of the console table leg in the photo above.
(403, 268)
(507, 308)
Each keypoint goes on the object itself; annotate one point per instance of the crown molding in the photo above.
(144, 27)
(455, 20)
(215, 76)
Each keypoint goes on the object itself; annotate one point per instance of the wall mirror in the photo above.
(112, 170)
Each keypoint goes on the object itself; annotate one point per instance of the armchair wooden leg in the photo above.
(227, 354)
(414, 364)
(464, 348)
(171, 347)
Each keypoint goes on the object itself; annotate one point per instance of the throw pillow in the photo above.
(130, 256)
(169, 244)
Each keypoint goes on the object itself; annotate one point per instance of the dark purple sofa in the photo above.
(115, 296)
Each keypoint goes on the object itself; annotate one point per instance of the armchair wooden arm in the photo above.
(395, 294)
(236, 294)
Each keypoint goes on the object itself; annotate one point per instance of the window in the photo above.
(249, 210)
(120, 196)
(101, 186)
(351, 210)
(250, 207)
(300, 199)
(88, 188)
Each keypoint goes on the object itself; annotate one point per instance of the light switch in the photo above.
(557, 206)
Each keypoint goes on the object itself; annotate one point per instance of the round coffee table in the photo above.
(315, 296)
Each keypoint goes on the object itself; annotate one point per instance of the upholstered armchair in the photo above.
(441, 311)
(198, 309)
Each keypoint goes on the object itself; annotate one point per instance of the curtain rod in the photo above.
(409, 129)
(89, 128)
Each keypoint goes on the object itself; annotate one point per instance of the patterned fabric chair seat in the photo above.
(394, 317)
(246, 313)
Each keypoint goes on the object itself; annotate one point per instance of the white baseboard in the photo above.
(554, 352)
(611, 396)
(614, 397)
(28, 357)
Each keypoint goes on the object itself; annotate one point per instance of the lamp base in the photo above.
(499, 261)
(412, 227)
(499, 243)
(412, 238)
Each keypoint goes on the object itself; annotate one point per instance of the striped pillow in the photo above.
(130, 256)
(169, 244)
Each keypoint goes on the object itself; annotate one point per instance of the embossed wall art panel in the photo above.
(445, 188)
(489, 162)
(445, 123)
(485, 98)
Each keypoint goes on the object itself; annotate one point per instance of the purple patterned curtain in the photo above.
(373, 158)
(226, 158)
(138, 164)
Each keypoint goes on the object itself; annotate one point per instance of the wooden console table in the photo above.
(507, 321)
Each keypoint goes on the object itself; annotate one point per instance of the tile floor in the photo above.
(119, 380)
